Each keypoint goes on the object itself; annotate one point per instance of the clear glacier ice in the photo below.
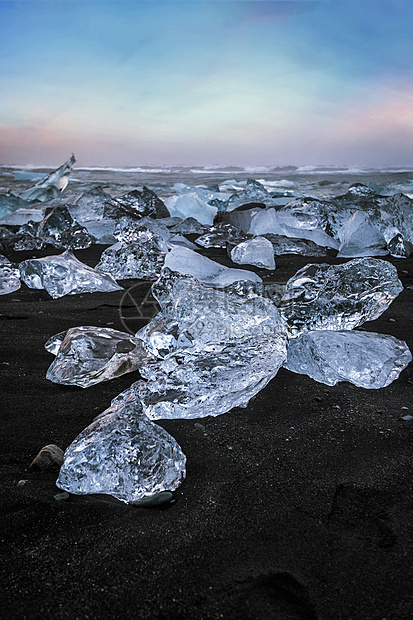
(219, 235)
(190, 226)
(188, 262)
(9, 276)
(339, 297)
(88, 355)
(194, 314)
(190, 205)
(142, 258)
(65, 275)
(290, 245)
(359, 237)
(123, 454)
(50, 186)
(366, 359)
(210, 380)
(9, 204)
(128, 230)
(137, 204)
(90, 205)
(258, 251)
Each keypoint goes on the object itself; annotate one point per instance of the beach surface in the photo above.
(299, 506)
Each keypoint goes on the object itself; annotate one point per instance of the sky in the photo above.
(226, 82)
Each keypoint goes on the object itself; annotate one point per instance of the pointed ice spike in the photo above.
(123, 454)
(365, 359)
(56, 180)
(88, 355)
(64, 275)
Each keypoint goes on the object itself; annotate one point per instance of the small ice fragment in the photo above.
(65, 275)
(257, 251)
(123, 454)
(9, 277)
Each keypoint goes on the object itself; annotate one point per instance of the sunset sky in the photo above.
(242, 82)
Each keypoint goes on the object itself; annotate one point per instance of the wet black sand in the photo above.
(299, 506)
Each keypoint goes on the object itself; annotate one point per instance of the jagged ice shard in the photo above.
(142, 258)
(9, 277)
(65, 275)
(258, 251)
(339, 297)
(49, 186)
(365, 359)
(195, 314)
(88, 355)
(187, 262)
(211, 380)
(123, 454)
(359, 237)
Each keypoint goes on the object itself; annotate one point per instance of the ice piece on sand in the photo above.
(136, 204)
(254, 192)
(290, 245)
(365, 359)
(89, 355)
(65, 275)
(59, 229)
(339, 297)
(9, 204)
(143, 258)
(359, 237)
(123, 454)
(190, 226)
(221, 234)
(129, 230)
(193, 313)
(399, 247)
(257, 251)
(90, 205)
(187, 262)
(22, 216)
(9, 277)
(47, 188)
(194, 383)
(191, 206)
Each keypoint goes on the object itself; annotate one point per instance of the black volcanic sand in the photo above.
(299, 506)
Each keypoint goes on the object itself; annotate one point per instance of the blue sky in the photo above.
(244, 82)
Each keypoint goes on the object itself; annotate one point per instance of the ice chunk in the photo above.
(128, 230)
(9, 277)
(365, 359)
(397, 246)
(359, 237)
(194, 383)
(123, 454)
(181, 240)
(57, 228)
(64, 275)
(241, 218)
(191, 205)
(190, 226)
(291, 224)
(46, 188)
(193, 313)
(6, 238)
(144, 258)
(187, 262)
(290, 245)
(339, 297)
(9, 204)
(90, 205)
(218, 236)
(22, 216)
(101, 230)
(136, 204)
(257, 251)
(88, 355)
(253, 192)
